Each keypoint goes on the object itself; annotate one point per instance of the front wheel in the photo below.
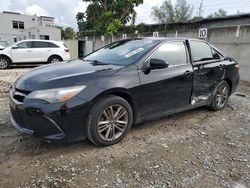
(220, 96)
(4, 63)
(109, 121)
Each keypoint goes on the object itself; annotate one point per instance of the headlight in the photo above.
(56, 95)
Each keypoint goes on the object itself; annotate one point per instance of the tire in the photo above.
(103, 130)
(54, 59)
(4, 63)
(220, 96)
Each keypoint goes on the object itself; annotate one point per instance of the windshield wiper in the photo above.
(96, 62)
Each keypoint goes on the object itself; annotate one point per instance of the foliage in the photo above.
(219, 13)
(197, 18)
(106, 16)
(167, 13)
(67, 33)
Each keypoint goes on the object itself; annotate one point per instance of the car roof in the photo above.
(38, 40)
(170, 38)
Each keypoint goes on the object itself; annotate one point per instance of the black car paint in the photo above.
(151, 94)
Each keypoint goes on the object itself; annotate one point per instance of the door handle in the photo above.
(187, 72)
(29, 50)
(49, 50)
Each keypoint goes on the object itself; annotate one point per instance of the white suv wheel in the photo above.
(3, 63)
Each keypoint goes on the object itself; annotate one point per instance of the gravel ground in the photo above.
(197, 148)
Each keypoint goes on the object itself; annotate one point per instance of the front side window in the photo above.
(173, 53)
(123, 52)
(25, 45)
(202, 51)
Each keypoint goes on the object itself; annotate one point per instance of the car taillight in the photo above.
(66, 50)
(237, 66)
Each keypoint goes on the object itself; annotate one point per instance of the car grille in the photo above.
(21, 118)
(20, 95)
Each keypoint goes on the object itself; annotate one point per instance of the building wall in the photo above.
(73, 48)
(8, 33)
(233, 40)
(52, 32)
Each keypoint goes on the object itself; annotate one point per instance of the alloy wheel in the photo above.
(222, 95)
(3, 63)
(55, 60)
(112, 123)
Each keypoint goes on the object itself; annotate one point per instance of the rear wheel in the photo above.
(220, 96)
(54, 59)
(4, 63)
(109, 121)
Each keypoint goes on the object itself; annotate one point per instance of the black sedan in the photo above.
(124, 83)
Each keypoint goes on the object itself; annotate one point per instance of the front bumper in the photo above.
(50, 121)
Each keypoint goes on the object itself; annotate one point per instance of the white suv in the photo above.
(34, 51)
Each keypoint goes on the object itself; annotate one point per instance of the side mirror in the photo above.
(158, 64)
(14, 47)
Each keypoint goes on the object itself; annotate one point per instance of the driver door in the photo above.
(167, 89)
(22, 53)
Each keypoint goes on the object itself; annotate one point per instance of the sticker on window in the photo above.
(134, 52)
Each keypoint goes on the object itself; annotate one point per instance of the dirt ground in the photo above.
(197, 148)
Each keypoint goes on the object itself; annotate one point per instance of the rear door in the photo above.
(23, 52)
(166, 89)
(209, 70)
(41, 51)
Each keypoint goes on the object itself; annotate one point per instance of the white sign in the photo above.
(124, 36)
(203, 33)
(155, 34)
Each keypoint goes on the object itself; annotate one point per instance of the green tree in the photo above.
(106, 16)
(219, 13)
(168, 13)
(69, 33)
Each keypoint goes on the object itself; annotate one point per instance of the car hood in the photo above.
(71, 73)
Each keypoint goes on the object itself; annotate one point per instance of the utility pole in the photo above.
(200, 12)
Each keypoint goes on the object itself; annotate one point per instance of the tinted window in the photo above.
(40, 44)
(202, 51)
(172, 52)
(52, 45)
(25, 45)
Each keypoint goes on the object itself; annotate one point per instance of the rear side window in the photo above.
(202, 51)
(40, 44)
(173, 53)
(52, 45)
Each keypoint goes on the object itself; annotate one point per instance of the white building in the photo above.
(15, 27)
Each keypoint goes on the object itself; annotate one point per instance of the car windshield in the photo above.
(122, 53)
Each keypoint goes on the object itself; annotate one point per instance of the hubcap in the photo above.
(55, 60)
(112, 123)
(222, 95)
(3, 63)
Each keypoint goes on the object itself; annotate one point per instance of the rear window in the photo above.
(201, 51)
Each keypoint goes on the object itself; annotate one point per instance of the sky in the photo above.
(65, 11)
